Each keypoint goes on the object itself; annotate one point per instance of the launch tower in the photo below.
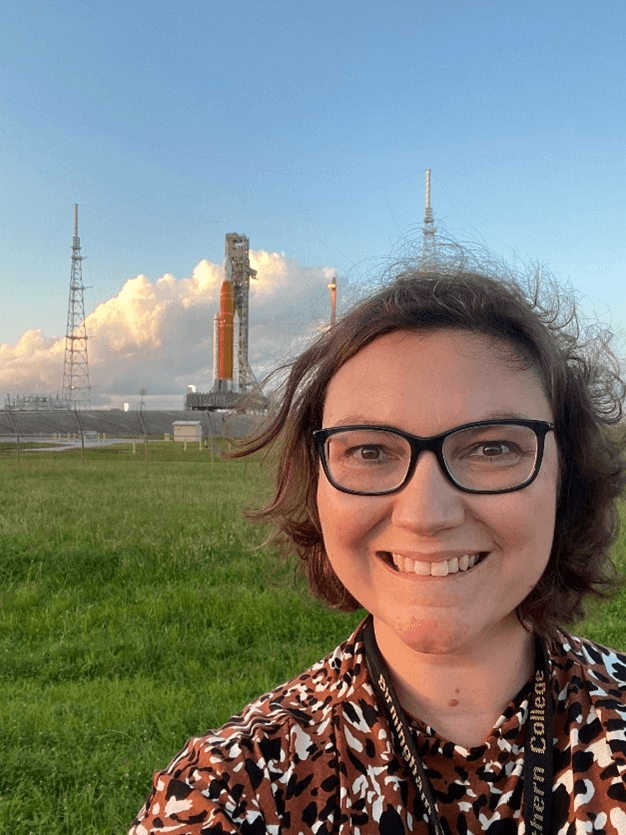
(231, 368)
(232, 374)
(76, 388)
(238, 271)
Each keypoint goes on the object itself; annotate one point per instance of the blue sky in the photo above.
(306, 126)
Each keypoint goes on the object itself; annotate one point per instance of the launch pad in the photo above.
(232, 374)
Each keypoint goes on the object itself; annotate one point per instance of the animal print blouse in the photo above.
(316, 755)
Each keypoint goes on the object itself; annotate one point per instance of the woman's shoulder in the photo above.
(307, 696)
(295, 716)
(600, 670)
(279, 748)
(297, 709)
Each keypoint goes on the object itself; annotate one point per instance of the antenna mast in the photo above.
(76, 388)
(428, 233)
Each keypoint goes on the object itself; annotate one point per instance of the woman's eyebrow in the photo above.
(499, 414)
(508, 415)
(351, 420)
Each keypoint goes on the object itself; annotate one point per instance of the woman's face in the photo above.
(426, 383)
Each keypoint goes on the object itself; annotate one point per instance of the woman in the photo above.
(444, 463)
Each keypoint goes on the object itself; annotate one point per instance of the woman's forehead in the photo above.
(487, 348)
(443, 372)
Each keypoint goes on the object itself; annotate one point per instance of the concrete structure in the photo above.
(117, 423)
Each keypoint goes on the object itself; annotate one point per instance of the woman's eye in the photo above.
(501, 451)
(494, 448)
(367, 453)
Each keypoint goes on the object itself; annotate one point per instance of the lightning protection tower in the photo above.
(429, 249)
(76, 388)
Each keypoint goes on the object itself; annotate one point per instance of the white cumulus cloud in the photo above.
(157, 334)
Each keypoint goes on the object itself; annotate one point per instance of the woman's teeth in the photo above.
(435, 569)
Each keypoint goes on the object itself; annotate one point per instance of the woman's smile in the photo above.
(443, 567)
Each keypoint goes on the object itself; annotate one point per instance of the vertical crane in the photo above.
(76, 388)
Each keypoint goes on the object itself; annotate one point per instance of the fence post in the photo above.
(82, 434)
(17, 434)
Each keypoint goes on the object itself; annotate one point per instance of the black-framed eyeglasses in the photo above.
(489, 456)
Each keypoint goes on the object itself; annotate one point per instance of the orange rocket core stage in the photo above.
(225, 325)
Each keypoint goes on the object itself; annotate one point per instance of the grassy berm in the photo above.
(138, 608)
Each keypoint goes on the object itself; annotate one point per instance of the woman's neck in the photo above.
(459, 694)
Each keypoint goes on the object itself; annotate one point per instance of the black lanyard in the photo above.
(537, 748)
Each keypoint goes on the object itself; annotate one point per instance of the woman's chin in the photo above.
(446, 634)
(429, 636)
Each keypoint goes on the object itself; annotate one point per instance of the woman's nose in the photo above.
(428, 502)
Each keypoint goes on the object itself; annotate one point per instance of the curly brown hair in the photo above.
(582, 382)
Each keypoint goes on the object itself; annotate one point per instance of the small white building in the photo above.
(187, 430)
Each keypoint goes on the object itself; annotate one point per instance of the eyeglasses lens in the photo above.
(492, 458)
(368, 460)
(495, 457)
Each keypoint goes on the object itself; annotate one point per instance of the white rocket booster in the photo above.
(216, 347)
(236, 351)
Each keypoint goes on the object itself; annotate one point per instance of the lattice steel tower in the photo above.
(429, 248)
(76, 388)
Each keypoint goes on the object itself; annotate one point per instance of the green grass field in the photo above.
(138, 609)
